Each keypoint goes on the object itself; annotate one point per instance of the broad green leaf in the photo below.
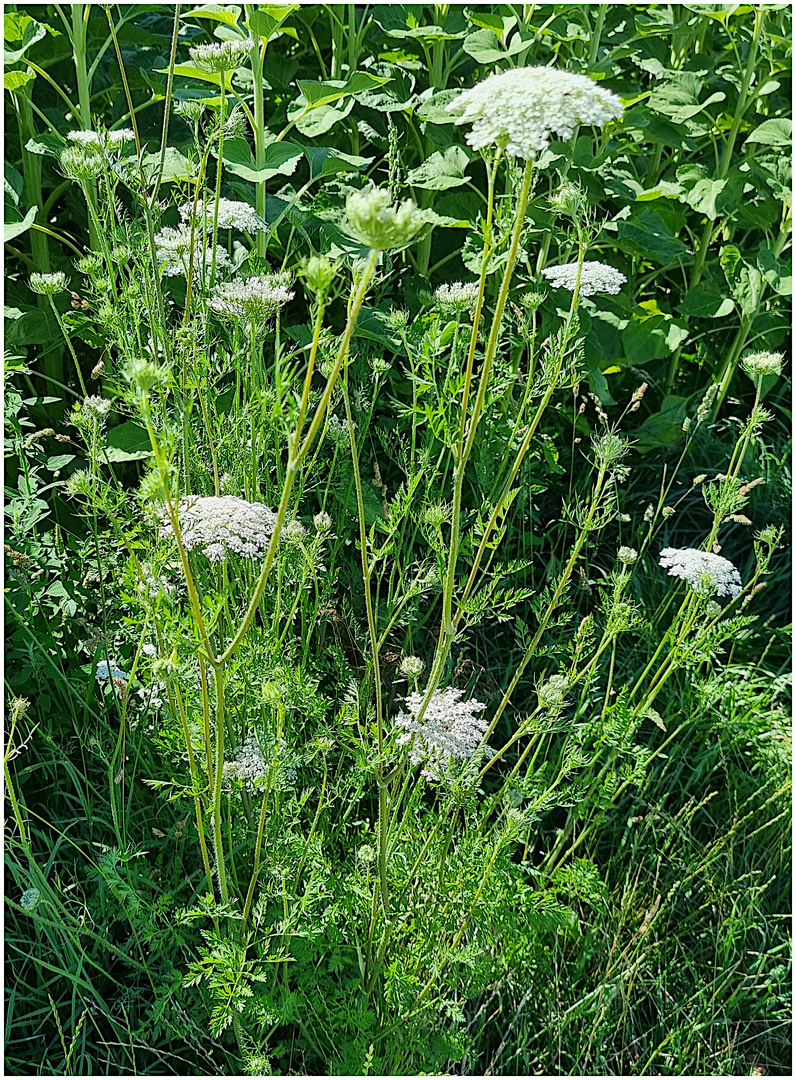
(336, 244)
(485, 47)
(21, 28)
(13, 229)
(326, 161)
(268, 19)
(13, 183)
(46, 143)
(745, 281)
(434, 108)
(398, 21)
(705, 301)
(37, 326)
(646, 233)
(719, 12)
(678, 97)
(227, 13)
(701, 193)
(281, 158)
(778, 132)
(128, 442)
(190, 71)
(324, 93)
(318, 121)
(663, 428)
(662, 190)
(777, 273)
(13, 80)
(441, 171)
(657, 130)
(175, 165)
(486, 21)
(652, 338)
(14, 25)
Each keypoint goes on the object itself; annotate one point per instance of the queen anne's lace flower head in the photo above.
(96, 407)
(706, 573)
(223, 56)
(255, 298)
(173, 251)
(48, 284)
(250, 765)
(80, 162)
(231, 215)
(594, 277)
(449, 729)
(523, 108)
(762, 364)
(220, 525)
(456, 296)
(102, 140)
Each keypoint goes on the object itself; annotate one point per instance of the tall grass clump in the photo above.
(378, 701)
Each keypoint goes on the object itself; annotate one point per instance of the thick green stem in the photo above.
(80, 15)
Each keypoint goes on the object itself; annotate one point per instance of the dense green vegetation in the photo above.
(404, 750)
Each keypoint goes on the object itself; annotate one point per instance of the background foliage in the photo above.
(660, 944)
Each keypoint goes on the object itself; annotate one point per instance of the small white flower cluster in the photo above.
(760, 365)
(109, 671)
(250, 765)
(231, 215)
(48, 284)
(457, 296)
(706, 573)
(173, 251)
(223, 524)
(150, 696)
(521, 109)
(225, 56)
(449, 729)
(102, 140)
(96, 407)
(594, 277)
(257, 298)
(337, 431)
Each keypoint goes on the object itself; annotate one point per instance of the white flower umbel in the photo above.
(457, 296)
(220, 525)
(449, 729)
(231, 215)
(48, 284)
(96, 407)
(594, 277)
(706, 573)
(225, 56)
(762, 365)
(250, 764)
(108, 671)
(521, 109)
(173, 251)
(255, 298)
(102, 140)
